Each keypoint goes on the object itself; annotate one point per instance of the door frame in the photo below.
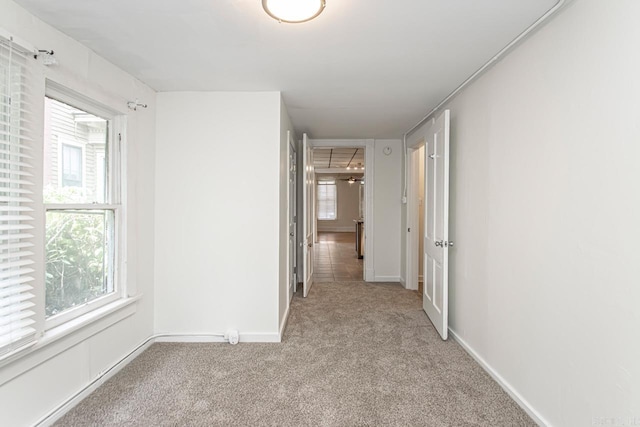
(414, 142)
(368, 145)
(413, 220)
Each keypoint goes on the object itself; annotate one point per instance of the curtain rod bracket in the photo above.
(47, 55)
(133, 105)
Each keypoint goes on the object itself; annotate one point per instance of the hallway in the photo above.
(336, 259)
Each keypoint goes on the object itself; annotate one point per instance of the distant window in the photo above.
(327, 200)
(71, 166)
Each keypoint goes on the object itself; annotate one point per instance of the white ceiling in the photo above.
(362, 69)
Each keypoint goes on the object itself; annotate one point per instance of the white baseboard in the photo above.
(508, 388)
(66, 406)
(204, 338)
(369, 275)
(285, 319)
(403, 282)
(260, 337)
(387, 279)
(212, 338)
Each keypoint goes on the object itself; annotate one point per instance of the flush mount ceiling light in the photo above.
(293, 11)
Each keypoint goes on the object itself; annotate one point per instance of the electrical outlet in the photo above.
(233, 336)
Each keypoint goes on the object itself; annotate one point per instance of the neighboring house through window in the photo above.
(71, 159)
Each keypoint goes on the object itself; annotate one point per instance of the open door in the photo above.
(308, 197)
(436, 240)
(293, 213)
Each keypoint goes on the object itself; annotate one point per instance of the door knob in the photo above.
(439, 243)
(449, 244)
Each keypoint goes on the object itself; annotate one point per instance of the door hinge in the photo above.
(409, 230)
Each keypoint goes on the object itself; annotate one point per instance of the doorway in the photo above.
(334, 238)
(415, 217)
(340, 206)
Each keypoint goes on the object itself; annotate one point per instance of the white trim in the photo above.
(102, 377)
(285, 320)
(24, 46)
(403, 282)
(188, 338)
(369, 254)
(214, 338)
(387, 279)
(65, 336)
(508, 388)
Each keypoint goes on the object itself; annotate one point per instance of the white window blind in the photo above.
(327, 200)
(16, 221)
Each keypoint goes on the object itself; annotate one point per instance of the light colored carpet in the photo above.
(353, 354)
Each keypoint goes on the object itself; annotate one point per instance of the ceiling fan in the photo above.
(352, 179)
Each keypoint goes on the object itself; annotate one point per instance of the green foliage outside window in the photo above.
(76, 265)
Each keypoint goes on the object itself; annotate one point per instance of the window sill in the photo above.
(79, 322)
(61, 338)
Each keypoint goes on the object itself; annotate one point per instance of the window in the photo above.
(71, 166)
(327, 200)
(81, 200)
(52, 275)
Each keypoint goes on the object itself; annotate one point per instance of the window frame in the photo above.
(334, 184)
(114, 155)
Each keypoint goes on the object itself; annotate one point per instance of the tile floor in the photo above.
(336, 259)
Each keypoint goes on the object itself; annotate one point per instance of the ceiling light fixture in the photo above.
(293, 11)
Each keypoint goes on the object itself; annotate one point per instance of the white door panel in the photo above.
(293, 209)
(308, 214)
(436, 239)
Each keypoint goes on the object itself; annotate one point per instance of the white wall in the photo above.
(387, 210)
(544, 277)
(39, 382)
(348, 197)
(217, 240)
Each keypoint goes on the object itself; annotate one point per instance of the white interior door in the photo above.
(309, 214)
(436, 240)
(293, 209)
